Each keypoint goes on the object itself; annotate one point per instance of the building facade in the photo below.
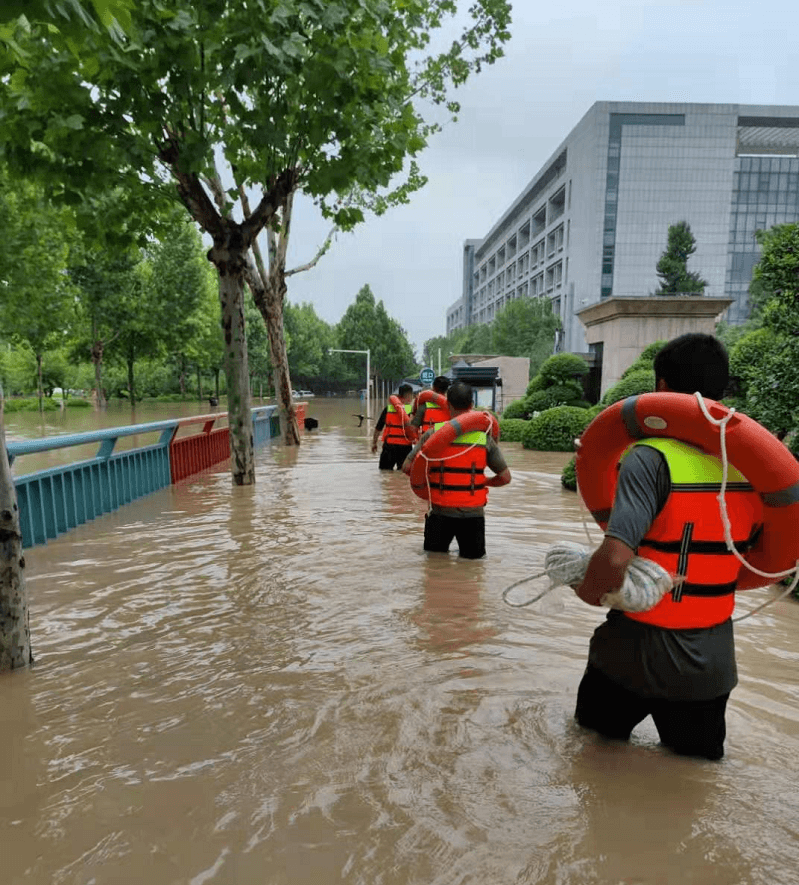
(594, 221)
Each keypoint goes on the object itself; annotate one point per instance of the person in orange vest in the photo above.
(398, 435)
(458, 484)
(675, 662)
(428, 414)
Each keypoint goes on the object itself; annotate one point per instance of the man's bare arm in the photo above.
(606, 570)
(501, 479)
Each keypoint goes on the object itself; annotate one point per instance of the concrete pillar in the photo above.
(626, 325)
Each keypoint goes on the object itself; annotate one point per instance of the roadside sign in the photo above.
(426, 375)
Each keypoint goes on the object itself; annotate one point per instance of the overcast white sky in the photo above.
(561, 58)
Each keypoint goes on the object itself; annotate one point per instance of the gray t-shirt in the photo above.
(682, 665)
(494, 459)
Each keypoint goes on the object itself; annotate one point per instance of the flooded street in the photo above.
(275, 686)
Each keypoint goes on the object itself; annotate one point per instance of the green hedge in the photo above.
(77, 403)
(568, 478)
(511, 429)
(555, 429)
(632, 385)
(31, 404)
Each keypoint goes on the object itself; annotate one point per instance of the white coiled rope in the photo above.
(645, 582)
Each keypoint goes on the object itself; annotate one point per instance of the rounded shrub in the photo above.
(77, 403)
(536, 384)
(568, 477)
(593, 411)
(632, 385)
(568, 394)
(511, 429)
(516, 409)
(646, 359)
(555, 429)
(562, 367)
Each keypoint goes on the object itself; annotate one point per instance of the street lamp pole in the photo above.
(368, 353)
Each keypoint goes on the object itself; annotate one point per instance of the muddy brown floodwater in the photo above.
(276, 686)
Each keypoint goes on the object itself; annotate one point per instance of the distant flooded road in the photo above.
(274, 685)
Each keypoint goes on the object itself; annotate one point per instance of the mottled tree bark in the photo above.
(231, 299)
(97, 359)
(232, 242)
(15, 639)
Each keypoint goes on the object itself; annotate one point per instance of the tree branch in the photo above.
(313, 262)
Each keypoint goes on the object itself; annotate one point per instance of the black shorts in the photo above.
(690, 728)
(470, 533)
(393, 456)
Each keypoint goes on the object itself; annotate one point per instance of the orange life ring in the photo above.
(411, 432)
(431, 396)
(438, 442)
(766, 463)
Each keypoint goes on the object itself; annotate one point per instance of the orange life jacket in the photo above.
(457, 475)
(433, 414)
(394, 433)
(687, 538)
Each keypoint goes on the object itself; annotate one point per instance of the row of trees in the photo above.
(229, 110)
(764, 352)
(146, 320)
(523, 327)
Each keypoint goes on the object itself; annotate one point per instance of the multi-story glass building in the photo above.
(594, 220)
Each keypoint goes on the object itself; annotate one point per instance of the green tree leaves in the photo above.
(765, 361)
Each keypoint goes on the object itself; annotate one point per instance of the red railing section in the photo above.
(191, 454)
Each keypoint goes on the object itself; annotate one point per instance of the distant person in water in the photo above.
(458, 484)
(398, 435)
(427, 414)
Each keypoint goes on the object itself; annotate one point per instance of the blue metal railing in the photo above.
(57, 499)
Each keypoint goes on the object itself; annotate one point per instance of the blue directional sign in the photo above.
(426, 375)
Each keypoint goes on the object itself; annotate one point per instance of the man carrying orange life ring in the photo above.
(398, 435)
(430, 413)
(457, 480)
(675, 662)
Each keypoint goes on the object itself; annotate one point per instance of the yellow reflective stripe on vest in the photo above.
(406, 406)
(473, 437)
(688, 464)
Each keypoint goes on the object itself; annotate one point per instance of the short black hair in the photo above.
(692, 362)
(403, 389)
(459, 395)
(441, 384)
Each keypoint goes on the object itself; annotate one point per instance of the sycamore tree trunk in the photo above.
(229, 263)
(131, 386)
(39, 383)
(269, 301)
(15, 634)
(232, 241)
(281, 377)
(97, 350)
